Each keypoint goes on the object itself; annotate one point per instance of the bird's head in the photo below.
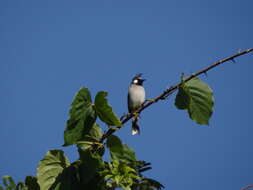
(138, 80)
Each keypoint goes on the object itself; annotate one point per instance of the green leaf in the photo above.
(153, 183)
(118, 150)
(197, 97)
(90, 166)
(182, 99)
(68, 179)
(128, 153)
(50, 167)
(93, 136)
(104, 110)
(120, 174)
(21, 186)
(9, 182)
(147, 184)
(82, 118)
(31, 183)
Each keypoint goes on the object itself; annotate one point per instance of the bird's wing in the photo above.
(128, 103)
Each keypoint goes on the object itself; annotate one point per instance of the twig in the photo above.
(247, 187)
(172, 89)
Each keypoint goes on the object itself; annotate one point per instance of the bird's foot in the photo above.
(135, 115)
(149, 100)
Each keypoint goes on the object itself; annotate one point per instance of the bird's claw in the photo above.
(149, 100)
(135, 115)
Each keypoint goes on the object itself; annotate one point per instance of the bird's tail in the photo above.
(135, 127)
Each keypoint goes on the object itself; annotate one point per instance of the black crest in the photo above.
(138, 79)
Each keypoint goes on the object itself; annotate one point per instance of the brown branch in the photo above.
(172, 89)
(247, 187)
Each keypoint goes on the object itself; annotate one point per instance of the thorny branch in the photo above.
(172, 89)
(247, 187)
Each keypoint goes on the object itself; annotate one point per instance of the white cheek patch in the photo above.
(135, 81)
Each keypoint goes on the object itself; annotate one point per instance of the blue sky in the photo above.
(49, 49)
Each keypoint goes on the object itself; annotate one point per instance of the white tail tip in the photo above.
(135, 132)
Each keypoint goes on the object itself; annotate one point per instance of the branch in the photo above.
(247, 187)
(172, 89)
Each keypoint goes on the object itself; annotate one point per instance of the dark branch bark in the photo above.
(172, 89)
(247, 187)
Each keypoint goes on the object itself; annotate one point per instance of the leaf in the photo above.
(104, 110)
(21, 186)
(118, 150)
(128, 153)
(114, 143)
(31, 183)
(82, 118)
(90, 166)
(197, 97)
(147, 184)
(50, 167)
(96, 183)
(93, 136)
(120, 174)
(68, 179)
(154, 183)
(9, 182)
(182, 99)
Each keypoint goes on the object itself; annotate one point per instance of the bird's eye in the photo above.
(135, 81)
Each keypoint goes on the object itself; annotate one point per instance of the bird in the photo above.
(135, 99)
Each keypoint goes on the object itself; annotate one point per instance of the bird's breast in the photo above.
(136, 96)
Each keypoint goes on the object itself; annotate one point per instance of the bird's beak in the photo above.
(143, 80)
